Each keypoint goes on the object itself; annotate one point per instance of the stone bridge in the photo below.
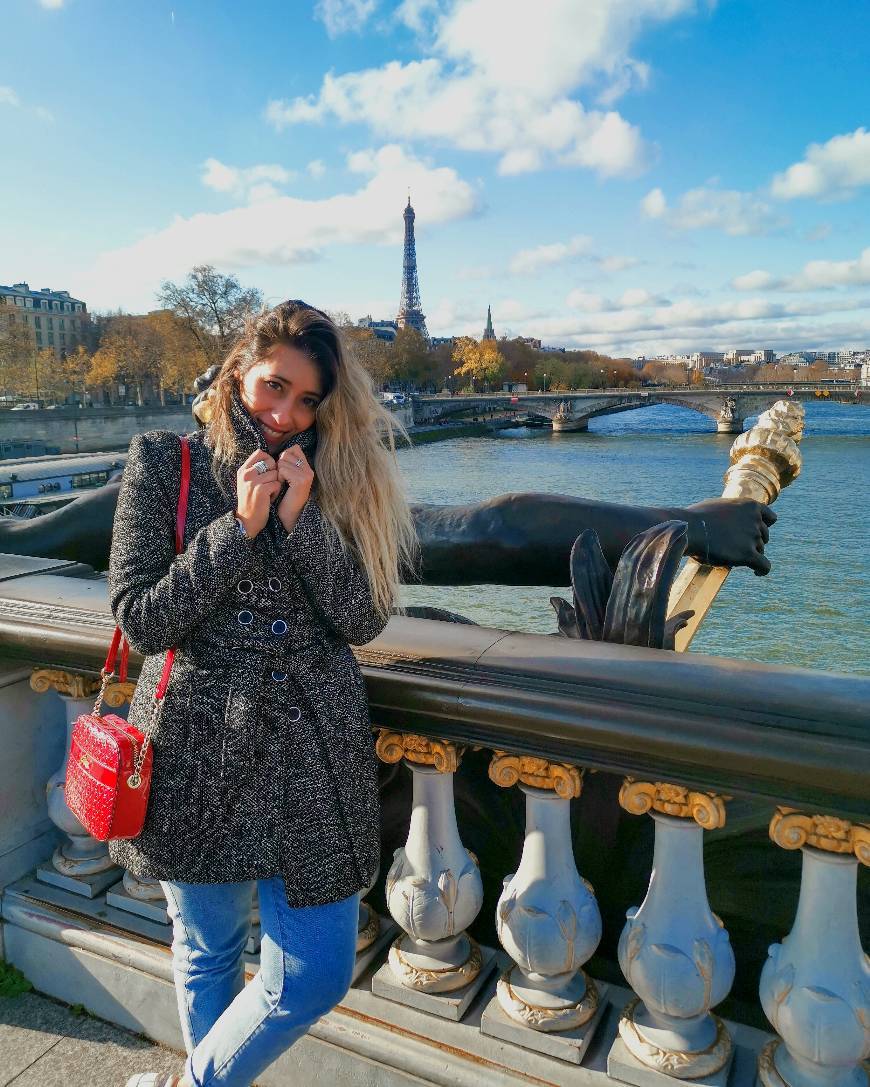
(727, 406)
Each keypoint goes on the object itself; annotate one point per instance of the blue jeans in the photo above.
(234, 1031)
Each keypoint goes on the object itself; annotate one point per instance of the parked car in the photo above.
(29, 406)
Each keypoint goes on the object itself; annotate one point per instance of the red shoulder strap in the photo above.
(180, 519)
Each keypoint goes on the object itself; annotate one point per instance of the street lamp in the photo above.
(545, 382)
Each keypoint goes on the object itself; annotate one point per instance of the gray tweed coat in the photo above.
(263, 759)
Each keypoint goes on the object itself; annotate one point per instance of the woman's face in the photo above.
(282, 393)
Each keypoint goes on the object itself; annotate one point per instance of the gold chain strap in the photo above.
(135, 779)
(106, 676)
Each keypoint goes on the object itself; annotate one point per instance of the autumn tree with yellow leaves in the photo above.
(480, 361)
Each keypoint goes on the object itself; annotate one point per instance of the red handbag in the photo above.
(108, 776)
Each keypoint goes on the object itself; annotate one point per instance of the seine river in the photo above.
(811, 610)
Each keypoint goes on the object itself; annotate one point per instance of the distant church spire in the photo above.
(410, 313)
(489, 331)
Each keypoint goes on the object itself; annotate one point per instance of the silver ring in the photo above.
(261, 466)
(298, 463)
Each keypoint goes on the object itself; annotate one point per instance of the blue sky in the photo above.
(637, 176)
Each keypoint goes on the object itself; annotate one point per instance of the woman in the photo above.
(264, 769)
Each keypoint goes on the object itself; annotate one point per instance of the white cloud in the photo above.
(616, 263)
(634, 74)
(754, 281)
(709, 208)
(284, 230)
(578, 248)
(654, 204)
(253, 182)
(316, 168)
(8, 97)
(816, 275)
(52, 5)
(588, 302)
(529, 261)
(832, 169)
(634, 298)
(481, 88)
(341, 16)
(415, 13)
(688, 325)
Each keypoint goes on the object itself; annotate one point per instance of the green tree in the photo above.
(411, 362)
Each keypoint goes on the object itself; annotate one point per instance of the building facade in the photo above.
(698, 360)
(382, 330)
(56, 321)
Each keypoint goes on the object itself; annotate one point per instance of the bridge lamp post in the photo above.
(545, 382)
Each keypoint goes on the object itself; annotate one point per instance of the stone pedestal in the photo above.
(674, 951)
(433, 889)
(815, 986)
(80, 863)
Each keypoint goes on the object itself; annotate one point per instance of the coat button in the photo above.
(245, 618)
(293, 713)
(279, 627)
(245, 586)
(279, 677)
(275, 584)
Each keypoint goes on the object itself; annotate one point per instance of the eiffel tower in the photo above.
(410, 313)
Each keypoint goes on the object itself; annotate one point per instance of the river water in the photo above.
(811, 610)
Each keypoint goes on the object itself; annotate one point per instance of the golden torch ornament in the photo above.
(764, 459)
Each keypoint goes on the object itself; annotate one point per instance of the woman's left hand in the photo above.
(297, 473)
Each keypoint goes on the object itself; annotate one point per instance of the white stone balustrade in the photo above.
(547, 917)
(815, 986)
(673, 951)
(433, 889)
(369, 924)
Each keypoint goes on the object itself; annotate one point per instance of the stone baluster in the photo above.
(369, 923)
(815, 985)
(433, 889)
(80, 863)
(674, 952)
(547, 917)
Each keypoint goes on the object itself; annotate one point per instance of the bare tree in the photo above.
(213, 307)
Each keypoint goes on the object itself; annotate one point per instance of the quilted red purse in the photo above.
(108, 776)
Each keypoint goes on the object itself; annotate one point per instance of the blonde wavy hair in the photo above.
(357, 481)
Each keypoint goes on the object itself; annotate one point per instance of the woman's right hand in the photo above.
(255, 491)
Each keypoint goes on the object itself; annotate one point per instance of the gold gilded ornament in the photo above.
(116, 694)
(791, 829)
(639, 797)
(442, 754)
(563, 779)
(71, 684)
(764, 459)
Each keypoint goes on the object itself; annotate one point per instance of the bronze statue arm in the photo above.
(514, 539)
(526, 538)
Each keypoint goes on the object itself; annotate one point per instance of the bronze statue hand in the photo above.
(731, 532)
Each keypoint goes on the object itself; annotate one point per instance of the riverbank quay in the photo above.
(425, 435)
(489, 737)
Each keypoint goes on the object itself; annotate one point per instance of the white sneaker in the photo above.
(153, 1079)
